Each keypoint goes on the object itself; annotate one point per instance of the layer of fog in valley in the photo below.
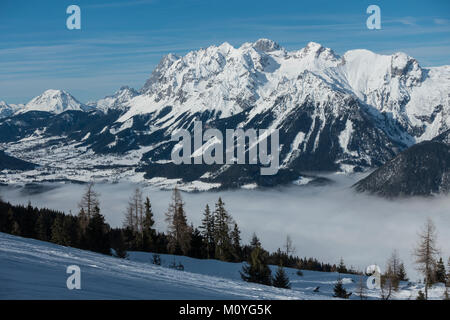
(326, 222)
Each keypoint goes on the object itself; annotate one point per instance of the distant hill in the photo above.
(421, 170)
(8, 162)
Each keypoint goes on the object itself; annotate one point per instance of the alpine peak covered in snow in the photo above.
(54, 101)
(7, 110)
(116, 101)
(334, 112)
(228, 80)
(266, 45)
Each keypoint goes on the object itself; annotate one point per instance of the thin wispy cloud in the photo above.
(136, 34)
(119, 4)
(408, 21)
(441, 21)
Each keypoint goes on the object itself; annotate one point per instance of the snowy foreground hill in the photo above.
(32, 269)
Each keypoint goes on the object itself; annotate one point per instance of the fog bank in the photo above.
(326, 222)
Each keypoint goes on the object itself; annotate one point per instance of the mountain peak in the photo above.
(118, 100)
(5, 109)
(313, 46)
(125, 89)
(54, 101)
(266, 45)
(403, 65)
(315, 50)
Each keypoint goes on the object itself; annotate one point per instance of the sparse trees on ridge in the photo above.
(218, 236)
(179, 231)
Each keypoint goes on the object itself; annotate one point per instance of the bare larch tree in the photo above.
(426, 252)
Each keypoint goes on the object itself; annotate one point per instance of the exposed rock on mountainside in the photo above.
(334, 113)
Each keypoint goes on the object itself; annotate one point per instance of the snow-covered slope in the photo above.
(32, 269)
(118, 100)
(334, 113)
(422, 170)
(7, 110)
(227, 80)
(54, 101)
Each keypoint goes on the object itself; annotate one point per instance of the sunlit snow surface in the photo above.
(32, 269)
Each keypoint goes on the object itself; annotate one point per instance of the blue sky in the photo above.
(120, 42)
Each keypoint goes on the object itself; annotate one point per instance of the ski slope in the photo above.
(32, 269)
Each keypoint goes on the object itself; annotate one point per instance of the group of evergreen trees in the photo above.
(221, 234)
(257, 268)
(218, 237)
(86, 231)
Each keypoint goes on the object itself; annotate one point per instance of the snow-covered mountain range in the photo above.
(334, 113)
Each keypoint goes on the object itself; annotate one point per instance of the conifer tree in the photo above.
(256, 270)
(179, 231)
(42, 227)
(57, 231)
(156, 259)
(236, 239)
(342, 268)
(148, 223)
(69, 231)
(281, 280)
(119, 246)
(223, 243)
(207, 230)
(97, 233)
(198, 249)
(402, 273)
(340, 291)
(254, 243)
(440, 272)
(12, 225)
